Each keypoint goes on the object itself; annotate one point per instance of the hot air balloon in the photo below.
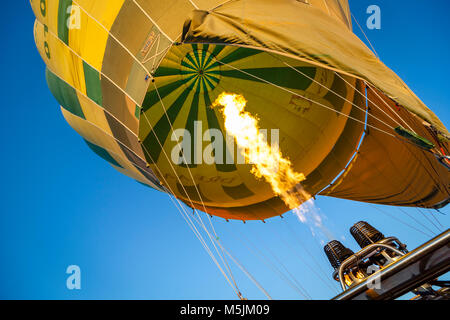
(130, 74)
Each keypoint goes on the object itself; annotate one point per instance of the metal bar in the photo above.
(360, 255)
(416, 268)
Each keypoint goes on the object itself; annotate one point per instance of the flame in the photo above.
(268, 161)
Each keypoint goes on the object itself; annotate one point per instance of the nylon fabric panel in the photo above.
(191, 77)
(273, 25)
(393, 171)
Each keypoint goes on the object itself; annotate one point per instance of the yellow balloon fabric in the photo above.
(136, 79)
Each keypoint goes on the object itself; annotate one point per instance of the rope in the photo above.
(322, 276)
(244, 270)
(367, 99)
(125, 93)
(192, 226)
(271, 266)
(352, 103)
(171, 194)
(165, 182)
(112, 36)
(151, 20)
(367, 38)
(363, 95)
(436, 219)
(373, 49)
(431, 221)
(208, 216)
(303, 97)
(149, 73)
(223, 3)
(190, 173)
(166, 52)
(295, 282)
(312, 101)
(199, 220)
(185, 216)
(193, 4)
(274, 56)
(377, 106)
(420, 223)
(384, 101)
(401, 221)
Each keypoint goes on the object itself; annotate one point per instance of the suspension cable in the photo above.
(367, 38)
(222, 257)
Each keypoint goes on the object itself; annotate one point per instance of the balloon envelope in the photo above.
(136, 79)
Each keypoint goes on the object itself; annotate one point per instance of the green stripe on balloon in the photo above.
(192, 117)
(63, 20)
(337, 102)
(280, 76)
(64, 94)
(153, 97)
(93, 84)
(157, 137)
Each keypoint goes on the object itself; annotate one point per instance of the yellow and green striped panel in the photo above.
(76, 75)
(191, 77)
(101, 57)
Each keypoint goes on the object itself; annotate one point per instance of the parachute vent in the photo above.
(365, 234)
(337, 253)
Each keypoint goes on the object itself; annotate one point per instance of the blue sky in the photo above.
(62, 205)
